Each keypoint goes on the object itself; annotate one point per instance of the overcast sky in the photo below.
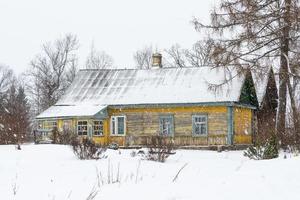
(119, 27)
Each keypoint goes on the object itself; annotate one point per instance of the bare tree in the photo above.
(199, 55)
(71, 71)
(143, 58)
(176, 56)
(98, 59)
(49, 69)
(6, 75)
(254, 34)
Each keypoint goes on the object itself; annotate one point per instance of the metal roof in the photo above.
(92, 88)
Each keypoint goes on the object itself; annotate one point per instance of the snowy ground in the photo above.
(39, 172)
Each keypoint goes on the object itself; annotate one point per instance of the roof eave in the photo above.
(224, 103)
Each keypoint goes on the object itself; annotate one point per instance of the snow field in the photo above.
(39, 172)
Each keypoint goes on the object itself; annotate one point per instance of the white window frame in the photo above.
(194, 124)
(171, 125)
(100, 128)
(114, 125)
(82, 126)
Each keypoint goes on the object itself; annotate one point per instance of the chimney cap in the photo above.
(156, 54)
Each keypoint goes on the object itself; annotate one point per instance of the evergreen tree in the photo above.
(15, 121)
(23, 109)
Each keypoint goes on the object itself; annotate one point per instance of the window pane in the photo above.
(98, 128)
(203, 129)
(199, 125)
(121, 125)
(166, 124)
(82, 127)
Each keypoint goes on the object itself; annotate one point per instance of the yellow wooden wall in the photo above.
(242, 125)
(98, 139)
(144, 122)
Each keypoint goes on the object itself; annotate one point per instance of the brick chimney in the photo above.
(156, 60)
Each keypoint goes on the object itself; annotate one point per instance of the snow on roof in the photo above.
(135, 86)
(70, 111)
(165, 85)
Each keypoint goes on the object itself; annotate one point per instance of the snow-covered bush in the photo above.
(268, 150)
(159, 148)
(85, 149)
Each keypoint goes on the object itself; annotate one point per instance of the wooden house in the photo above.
(128, 106)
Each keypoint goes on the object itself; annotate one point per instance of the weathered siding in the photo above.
(242, 126)
(103, 140)
(143, 123)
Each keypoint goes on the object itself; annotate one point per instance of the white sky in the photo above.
(119, 27)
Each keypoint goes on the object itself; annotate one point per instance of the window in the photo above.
(118, 125)
(50, 125)
(98, 128)
(166, 125)
(82, 127)
(199, 125)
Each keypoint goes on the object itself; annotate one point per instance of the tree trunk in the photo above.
(295, 114)
(283, 71)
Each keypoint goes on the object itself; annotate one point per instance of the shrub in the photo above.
(268, 150)
(62, 137)
(85, 149)
(66, 137)
(159, 148)
(54, 135)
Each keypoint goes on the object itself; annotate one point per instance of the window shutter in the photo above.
(206, 125)
(160, 126)
(193, 125)
(172, 125)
